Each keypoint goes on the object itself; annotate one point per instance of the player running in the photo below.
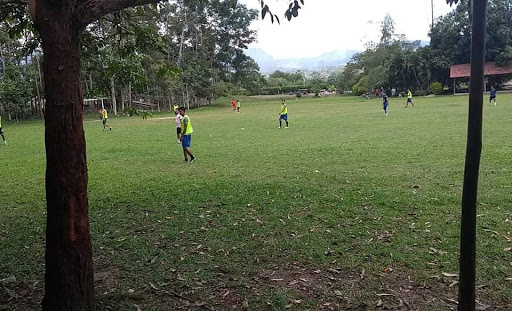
(385, 103)
(492, 96)
(409, 99)
(2, 132)
(104, 117)
(238, 105)
(233, 105)
(186, 135)
(283, 115)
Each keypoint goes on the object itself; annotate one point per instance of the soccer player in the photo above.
(233, 105)
(385, 103)
(2, 132)
(492, 96)
(283, 115)
(179, 117)
(186, 135)
(409, 99)
(104, 117)
(238, 104)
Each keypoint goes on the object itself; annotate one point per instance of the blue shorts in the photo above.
(187, 140)
(385, 106)
(283, 117)
(409, 100)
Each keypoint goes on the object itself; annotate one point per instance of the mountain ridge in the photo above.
(329, 60)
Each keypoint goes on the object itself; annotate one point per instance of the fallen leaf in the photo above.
(385, 294)
(507, 249)
(338, 293)
(276, 280)
(453, 283)
(379, 303)
(225, 294)
(450, 275)
(288, 306)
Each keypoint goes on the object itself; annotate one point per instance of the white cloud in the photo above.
(327, 25)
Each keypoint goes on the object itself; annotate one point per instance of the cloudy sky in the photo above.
(328, 25)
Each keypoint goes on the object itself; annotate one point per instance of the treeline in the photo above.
(397, 63)
(180, 51)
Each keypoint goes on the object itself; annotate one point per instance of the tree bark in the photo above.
(69, 266)
(472, 166)
(113, 91)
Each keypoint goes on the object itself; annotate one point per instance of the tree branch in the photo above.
(20, 2)
(91, 10)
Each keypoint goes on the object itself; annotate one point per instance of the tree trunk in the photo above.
(3, 60)
(113, 91)
(122, 100)
(69, 266)
(473, 153)
(129, 93)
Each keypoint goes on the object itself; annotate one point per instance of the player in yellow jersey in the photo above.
(186, 135)
(2, 132)
(409, 99)
(283, 115)
(104, 117)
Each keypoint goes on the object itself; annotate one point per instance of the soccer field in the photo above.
(346, 209)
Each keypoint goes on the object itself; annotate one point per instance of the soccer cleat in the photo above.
(279, 127)
(286, 127)
(111, 129)
(5, 142)
(178, 141)
(186, 160)
(192, 160)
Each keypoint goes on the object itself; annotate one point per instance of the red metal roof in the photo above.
(491, 69)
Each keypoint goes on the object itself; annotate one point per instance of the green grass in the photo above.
(344, 187)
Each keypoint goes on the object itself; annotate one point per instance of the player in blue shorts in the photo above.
(492, 96)
(283, 115)
(385, 104)
(186, 135)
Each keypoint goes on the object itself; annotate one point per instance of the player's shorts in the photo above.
(105, 121)
(385, 107)
(409, 100)
(178, 131)
(1, 131)
(284, 117)
(186, 141)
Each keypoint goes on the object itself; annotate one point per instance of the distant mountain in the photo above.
(328, 60)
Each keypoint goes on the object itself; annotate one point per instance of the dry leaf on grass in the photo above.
(450, 275)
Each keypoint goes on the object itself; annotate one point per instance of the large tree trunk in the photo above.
(473, 153)
(69, 266)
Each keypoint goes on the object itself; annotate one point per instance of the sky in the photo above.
(328, 25)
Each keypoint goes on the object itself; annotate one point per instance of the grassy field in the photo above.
(345, 210)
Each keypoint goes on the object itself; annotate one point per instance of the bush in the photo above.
(360, 87)
(299, 94)
(436, 88)
(130, 111)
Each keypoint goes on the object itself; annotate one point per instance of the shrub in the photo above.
(361, 86)
(299, 94)
(436, 88)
